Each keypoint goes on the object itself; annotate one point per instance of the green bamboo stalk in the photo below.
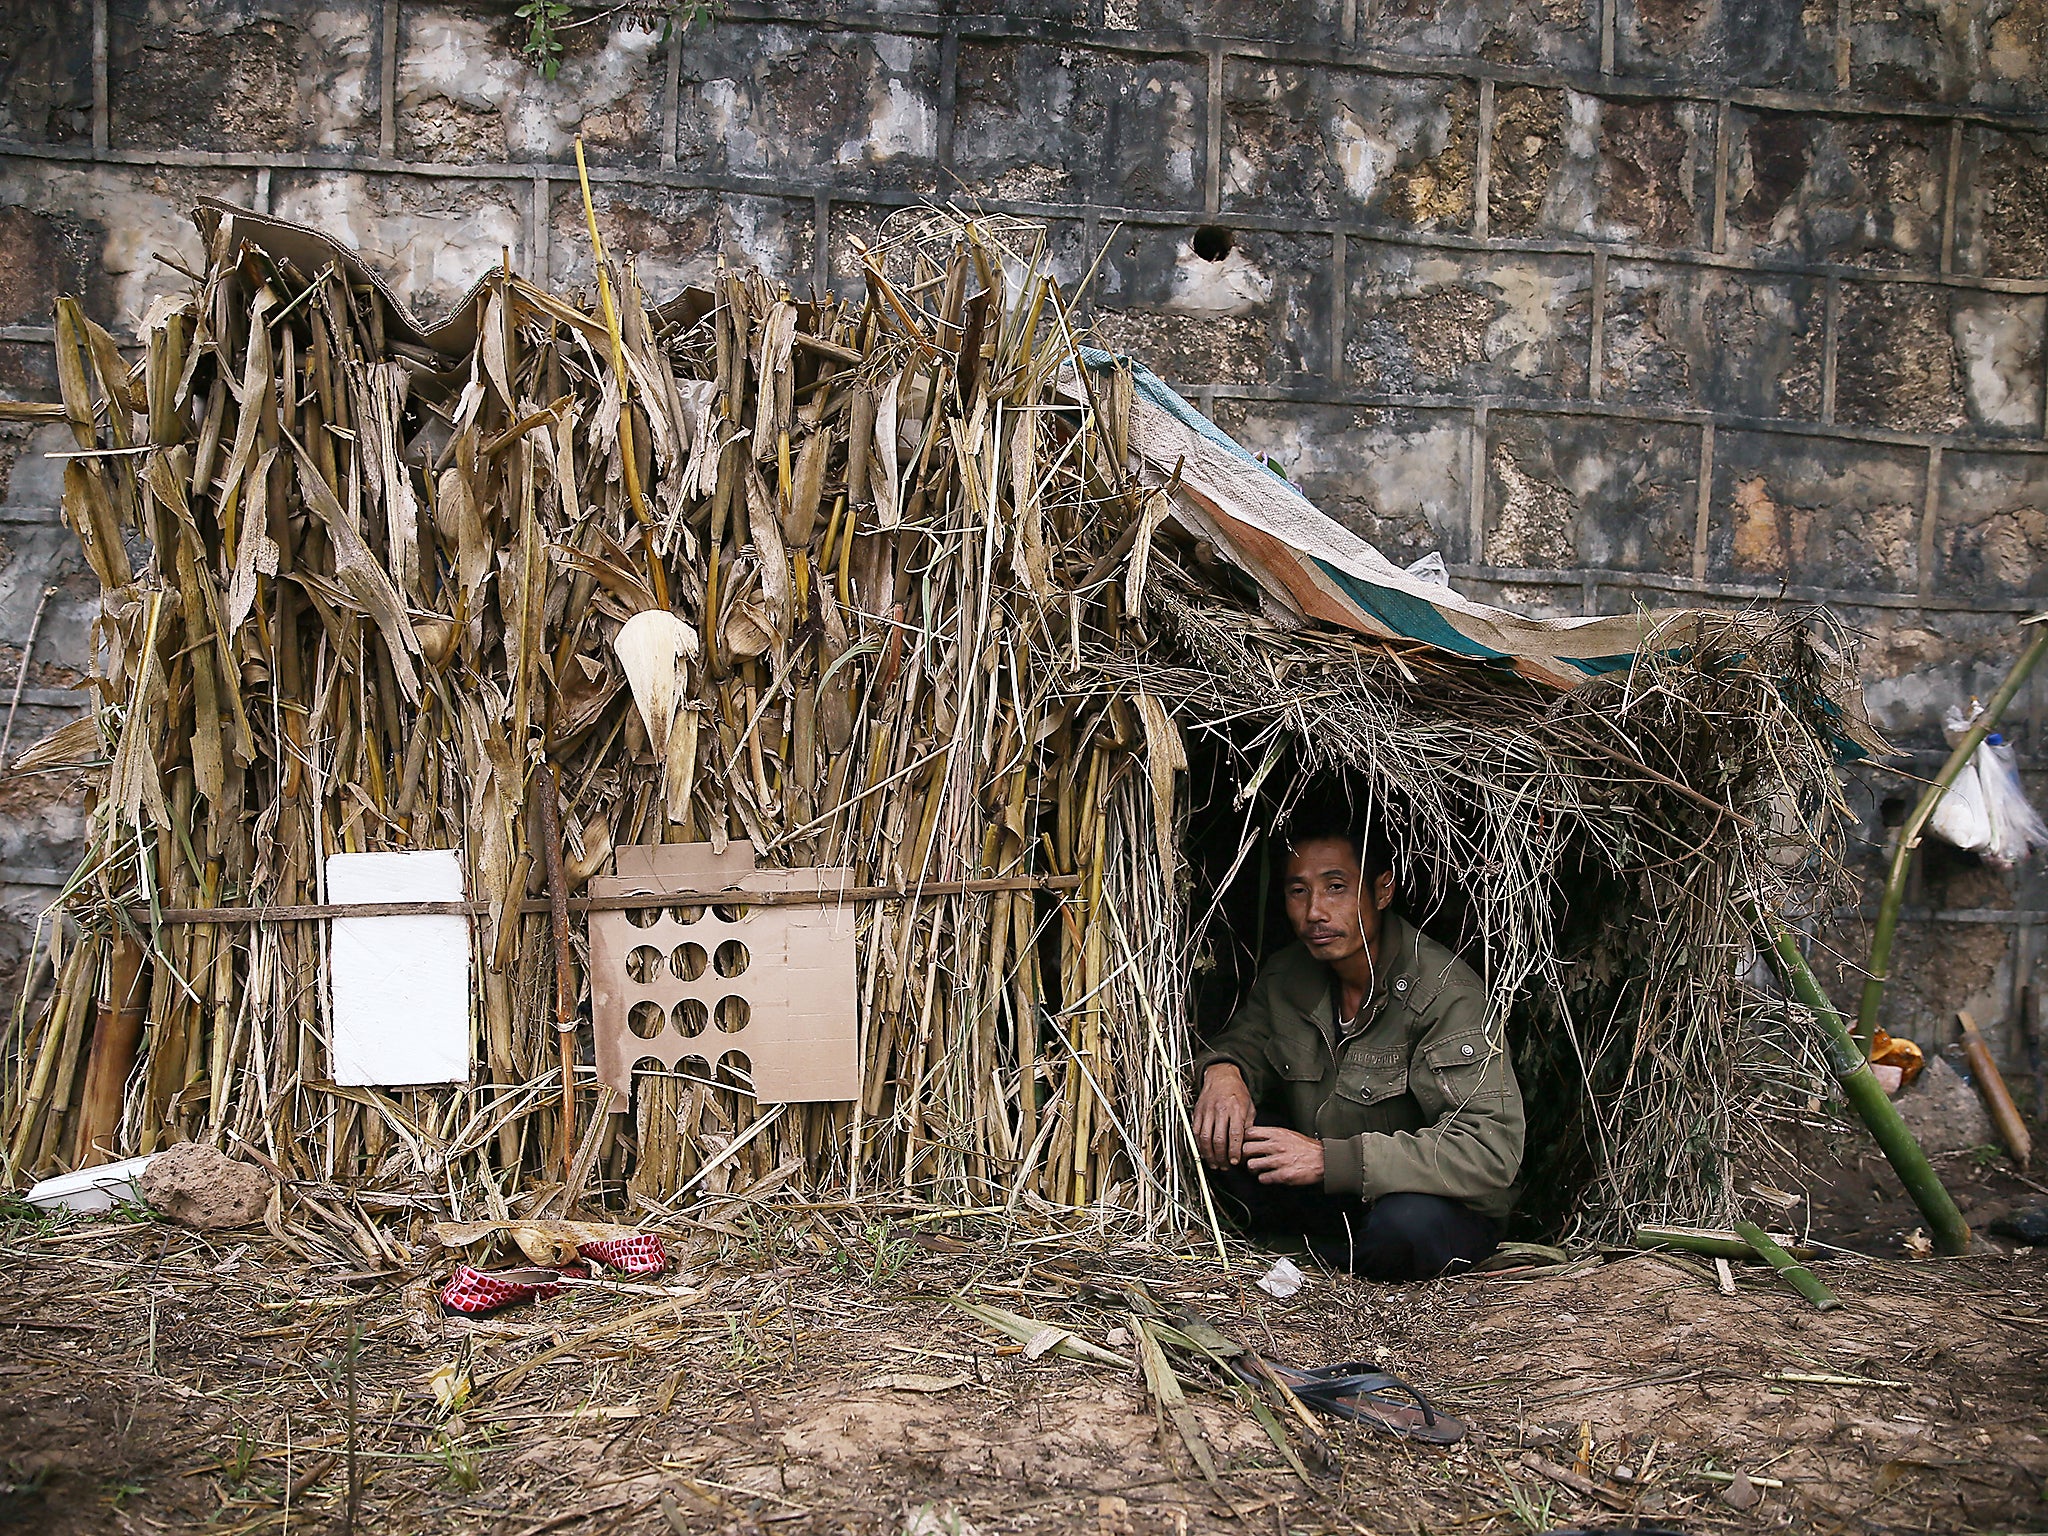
(1852, 1071)
(1877, 971)
(1790, 1270)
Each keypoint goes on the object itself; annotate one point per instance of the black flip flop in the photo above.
(1358, 1392)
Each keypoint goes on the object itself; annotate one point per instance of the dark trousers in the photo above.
(1396, 1237)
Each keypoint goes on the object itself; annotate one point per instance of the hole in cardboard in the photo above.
(643, 963)
(731, 959)
(691, 1018)
(686, 961)
(727, 914)
(732, 1014)
(693, 1066)
(646, 1020)
(685, 915)
(643, 917)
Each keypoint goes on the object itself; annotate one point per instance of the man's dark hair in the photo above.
(1340, 823)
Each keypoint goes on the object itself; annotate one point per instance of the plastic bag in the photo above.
(1986, 810)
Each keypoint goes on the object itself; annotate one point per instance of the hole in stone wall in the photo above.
(1213, 242)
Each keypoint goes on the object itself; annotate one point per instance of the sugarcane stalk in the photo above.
(565, 970)
(1867, 1096)
(1790, 1270)
(1878, 971)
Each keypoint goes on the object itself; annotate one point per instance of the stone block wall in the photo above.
(1609, 301)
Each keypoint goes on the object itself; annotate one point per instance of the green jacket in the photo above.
(1417, 1098)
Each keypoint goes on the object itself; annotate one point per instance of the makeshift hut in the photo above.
(984, 641)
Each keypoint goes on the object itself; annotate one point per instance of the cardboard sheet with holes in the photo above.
(774, 985)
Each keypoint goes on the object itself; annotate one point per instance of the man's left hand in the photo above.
(1281, 1156)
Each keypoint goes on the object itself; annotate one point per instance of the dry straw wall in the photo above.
(1610, 301)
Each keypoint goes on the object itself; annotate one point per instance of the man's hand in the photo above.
(1223, 1114)
(1280, 1156)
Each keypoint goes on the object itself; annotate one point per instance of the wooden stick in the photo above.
(1790, 1270)
(1991, 1088)
(320, 912)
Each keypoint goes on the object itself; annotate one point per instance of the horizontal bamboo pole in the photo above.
(319, 912)
(1707, 1241)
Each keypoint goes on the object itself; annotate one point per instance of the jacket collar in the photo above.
(1394, 976)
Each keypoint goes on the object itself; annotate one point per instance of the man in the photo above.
(1356, 1099)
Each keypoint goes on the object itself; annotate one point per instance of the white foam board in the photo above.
(401, 984)
(92, 1189)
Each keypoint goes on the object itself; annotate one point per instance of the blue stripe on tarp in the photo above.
(1413, 618)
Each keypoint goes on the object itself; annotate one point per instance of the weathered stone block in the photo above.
(1998, 345)
(1722, 340)
(119, 219)
(1573, 491)
(675, 235)
(1283, 21)
(1529, 147)
(1914, 50)
(280, 74)
(41, 257)
(1896, 358)
(464, 95)
(45, 73)
(782, 101)
(1815, 513)
(1345, 144)
(2002, 204)
(429, 238)
(2015, 58)
(1045, 122)
(1445, 321)
(1992, 534)
(1253, 309)
(1863, 191)
(1565, 163)
(1399, 479)
(1916, 664)
(1653, 181)
(1562, 33)
(1745, 42)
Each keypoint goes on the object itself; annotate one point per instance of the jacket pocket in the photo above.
(1296, 1056)
(1371, 1077)
(1460, 1062)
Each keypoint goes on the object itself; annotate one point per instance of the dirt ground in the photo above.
(804, 1371)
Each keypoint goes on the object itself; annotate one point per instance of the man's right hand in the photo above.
(1223, 1113)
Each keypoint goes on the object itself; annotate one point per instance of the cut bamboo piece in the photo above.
(117, 1031)
(1709, 1242)
(1790, 1270)
(2005, 1114)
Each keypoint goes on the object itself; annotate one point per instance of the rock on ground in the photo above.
(1944, 1112)
(198, 1187)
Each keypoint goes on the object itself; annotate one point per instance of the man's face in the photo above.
(1332, 912)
